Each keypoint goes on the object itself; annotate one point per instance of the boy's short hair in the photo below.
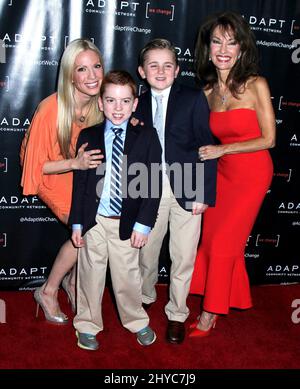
(158, 43)
(118, 77)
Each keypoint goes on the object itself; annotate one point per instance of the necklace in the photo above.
(83, 117)
(223, 98)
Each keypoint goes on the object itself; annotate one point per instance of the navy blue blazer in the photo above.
(141, 145)
(186, 129)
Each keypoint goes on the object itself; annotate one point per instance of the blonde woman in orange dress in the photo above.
(48, 157)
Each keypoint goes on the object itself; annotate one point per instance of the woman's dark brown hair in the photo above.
(245, 67)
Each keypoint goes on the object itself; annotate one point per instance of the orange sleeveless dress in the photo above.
(40, 145)
(242, 182)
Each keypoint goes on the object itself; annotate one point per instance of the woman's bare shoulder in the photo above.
(257, 84)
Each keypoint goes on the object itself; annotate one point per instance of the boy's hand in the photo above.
(134, 121)
(138, 239)
(199, 208)
(77, 238)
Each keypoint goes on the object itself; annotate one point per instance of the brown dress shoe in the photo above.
(175, 332)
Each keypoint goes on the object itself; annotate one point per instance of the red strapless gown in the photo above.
(242, 182)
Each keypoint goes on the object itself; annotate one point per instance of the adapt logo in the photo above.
(168, 12)
(272, 25)
(14, 124)
(17, 202)
(184, 54)
(23, 271)
(294, 142)
(3, 239)
(119, 8)
(163, 272)
(185, 57)
(283, 270)
(28, 40)
(289, 207)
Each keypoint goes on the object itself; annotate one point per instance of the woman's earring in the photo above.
(209, 58)
(239, 56)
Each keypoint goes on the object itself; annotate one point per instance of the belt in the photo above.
(112, 217)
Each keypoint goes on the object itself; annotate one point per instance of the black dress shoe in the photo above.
(147, 306)
(175, 332)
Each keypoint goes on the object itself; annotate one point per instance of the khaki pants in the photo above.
(101, 243)
(184, 238)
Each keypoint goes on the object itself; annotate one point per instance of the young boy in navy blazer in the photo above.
(109, 221)
(181, 117)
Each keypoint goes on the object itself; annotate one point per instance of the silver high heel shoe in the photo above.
(59, 318)
(71, 296)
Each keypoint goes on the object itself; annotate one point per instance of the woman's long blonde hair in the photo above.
(65, 94)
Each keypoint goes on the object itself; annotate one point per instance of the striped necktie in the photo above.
(116, 171)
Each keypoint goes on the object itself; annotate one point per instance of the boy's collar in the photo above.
(164, 92)
(109, 124)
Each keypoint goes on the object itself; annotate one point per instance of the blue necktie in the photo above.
(116, 171)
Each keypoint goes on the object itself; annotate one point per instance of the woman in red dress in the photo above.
(242, 118)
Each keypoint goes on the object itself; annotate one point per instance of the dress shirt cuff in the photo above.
(77, 227)
(138, 227)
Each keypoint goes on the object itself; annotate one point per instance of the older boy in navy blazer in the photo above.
(181, 117)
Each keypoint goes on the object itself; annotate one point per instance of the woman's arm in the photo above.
(83, 161)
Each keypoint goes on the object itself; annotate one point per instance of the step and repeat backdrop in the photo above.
(33, 35)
